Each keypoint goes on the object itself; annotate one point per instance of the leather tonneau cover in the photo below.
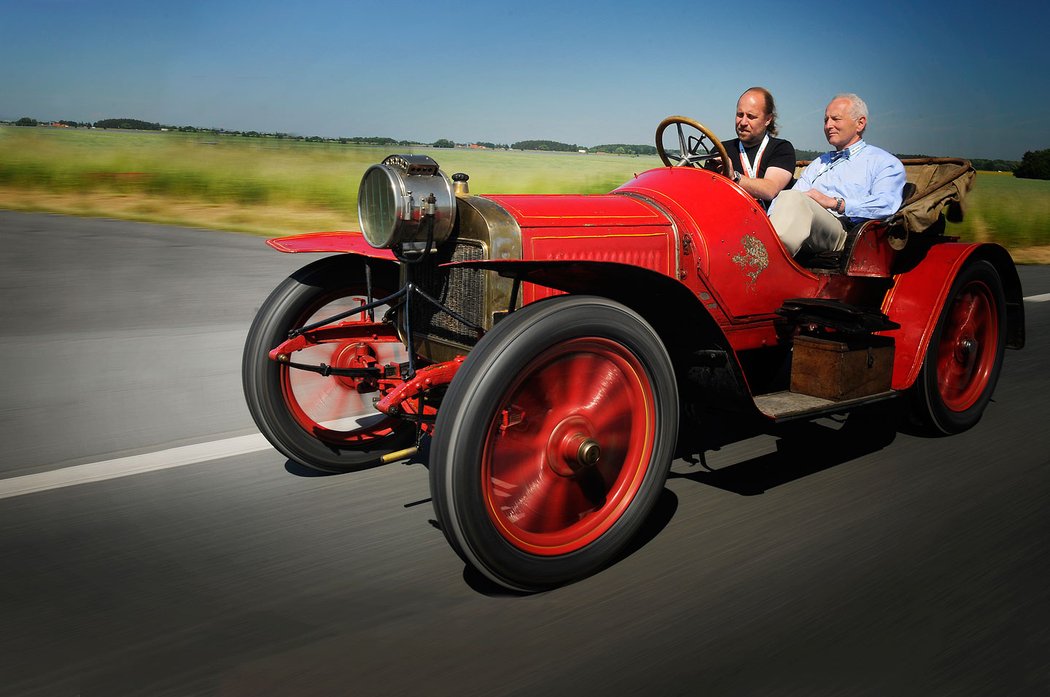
(939, 183)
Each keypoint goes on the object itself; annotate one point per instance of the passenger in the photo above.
(854, 182)
(761, 164)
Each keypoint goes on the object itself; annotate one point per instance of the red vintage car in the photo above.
(556, 349)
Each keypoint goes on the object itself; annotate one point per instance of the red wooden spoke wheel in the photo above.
(324, 422)
(965, 353)
(553, 442)
(569, 446)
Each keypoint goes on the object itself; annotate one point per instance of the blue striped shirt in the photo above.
(870, 180)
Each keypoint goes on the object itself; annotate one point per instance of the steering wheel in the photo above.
(693, 150)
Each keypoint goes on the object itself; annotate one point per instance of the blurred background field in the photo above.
(281, 186)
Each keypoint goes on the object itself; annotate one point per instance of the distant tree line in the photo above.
(554, 146)
(624, 149)
(1034, 165)
(546, 145)
(129, 124)
(994, 165)
(372, 140)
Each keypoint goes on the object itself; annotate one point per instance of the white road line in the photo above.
(136, 464)
(1045, 297)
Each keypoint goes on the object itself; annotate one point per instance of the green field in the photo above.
(270, 186)
(1002, 208)
(251, 171)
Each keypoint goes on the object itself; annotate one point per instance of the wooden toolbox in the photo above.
(841, 368)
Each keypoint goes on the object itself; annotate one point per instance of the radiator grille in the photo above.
(462, 290)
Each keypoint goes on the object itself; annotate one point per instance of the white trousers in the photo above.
(799, 220)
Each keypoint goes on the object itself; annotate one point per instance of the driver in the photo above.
(854, 182)
(761, 164)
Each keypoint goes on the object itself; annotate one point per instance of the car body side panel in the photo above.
(640, 247)
(735, 252)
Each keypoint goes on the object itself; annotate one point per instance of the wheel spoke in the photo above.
(682, 142)
(694, 146)
(515, 459)
(583, 384)
(344, 403)
(311, 391)
(546, 505)
(964, 312)
(556, 383)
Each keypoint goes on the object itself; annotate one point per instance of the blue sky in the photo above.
(959, 78)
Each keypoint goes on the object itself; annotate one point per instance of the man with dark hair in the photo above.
(854, 182)
(761, 164)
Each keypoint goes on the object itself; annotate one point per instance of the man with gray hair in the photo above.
(854, 182)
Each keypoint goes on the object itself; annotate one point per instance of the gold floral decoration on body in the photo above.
(754, 259)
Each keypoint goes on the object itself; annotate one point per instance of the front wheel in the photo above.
(324, 422)
(553, 442)
(965, 353)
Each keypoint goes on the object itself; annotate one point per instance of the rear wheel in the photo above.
(324, 422)
(553, 442)
(965, 354)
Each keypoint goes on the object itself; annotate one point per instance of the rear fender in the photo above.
(918, 297)
(708, 368)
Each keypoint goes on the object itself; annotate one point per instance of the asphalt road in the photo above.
(811, 565)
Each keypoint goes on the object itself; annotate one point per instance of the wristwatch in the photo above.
(840, 205)
(736, 176)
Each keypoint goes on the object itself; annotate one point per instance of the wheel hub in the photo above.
(571, 448)
(965, 350)
(589, 452)
(355, 355)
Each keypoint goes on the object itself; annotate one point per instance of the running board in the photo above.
(785, 406)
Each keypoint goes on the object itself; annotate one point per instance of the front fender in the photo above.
(344, 242)
(918, 297)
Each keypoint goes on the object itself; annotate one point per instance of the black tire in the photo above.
(512, 476)
(270, 388)
(965, 354)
